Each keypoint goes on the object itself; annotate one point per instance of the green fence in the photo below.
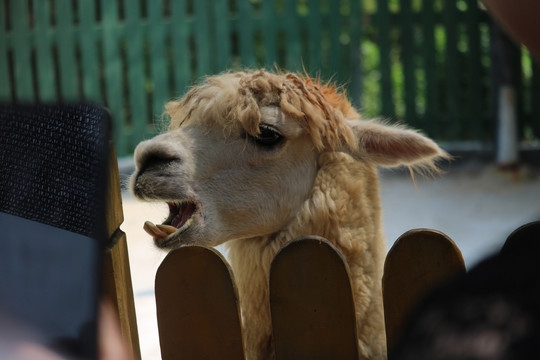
(422, 62)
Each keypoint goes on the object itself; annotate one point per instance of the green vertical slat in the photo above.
(474, 72)
(21, 51)
(407, 57)
(5, 87)
(293, 55)
(383, 35)
(180, 48)
(136, 75)
(202, 37)
(269, 33)
(158, 58)
(245, 33)
(334, 28)
(356, 26)
(45, 66)
(222, 34)
(66, 51)
(113, 73)
(452, 72)
(89, 59)
(314, 35)
(431, 116)
(535, 98)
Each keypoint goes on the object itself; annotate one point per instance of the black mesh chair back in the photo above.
(53, 167)
(52, 162)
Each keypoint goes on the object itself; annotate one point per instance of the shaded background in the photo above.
(426, 63)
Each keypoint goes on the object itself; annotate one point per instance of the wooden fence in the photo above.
(423, 62)
(311, 300)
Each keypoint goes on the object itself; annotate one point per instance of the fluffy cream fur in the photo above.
(321, 180)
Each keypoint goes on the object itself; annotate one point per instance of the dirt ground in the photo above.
(475, 205)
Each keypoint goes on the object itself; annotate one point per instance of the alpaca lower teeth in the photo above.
(167, 228)
(153, 230)
(158, 231)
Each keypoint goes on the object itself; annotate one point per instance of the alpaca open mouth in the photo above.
(179, 219)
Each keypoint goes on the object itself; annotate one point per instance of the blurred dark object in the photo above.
(520, 19)
(53, 178)
(492, 312)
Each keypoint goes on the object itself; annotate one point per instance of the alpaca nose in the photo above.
(155, 152)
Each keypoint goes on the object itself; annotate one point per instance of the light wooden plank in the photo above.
(117, 274)
(420, 261)
(197, 306)
(311, 302)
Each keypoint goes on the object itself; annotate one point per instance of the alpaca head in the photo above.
(240, 157)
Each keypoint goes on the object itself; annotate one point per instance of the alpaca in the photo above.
(257, 159)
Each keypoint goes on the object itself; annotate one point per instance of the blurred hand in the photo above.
(520, 19)
(111, 345)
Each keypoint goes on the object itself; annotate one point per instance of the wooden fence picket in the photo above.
(429, 67)
(158, 56)
(45, 65)
(69, 80)
(180, 47)
(112, 67)
(244, 32)
(89, 63)
(116, 271)
(452, 67)
(222, 34)
(312, 303)
(21, 51)
(197, 306)
(385, 54)
(135, 61)
(203, 39)
(418, 262)
(5, 89)
(269, 35)
(526, 238)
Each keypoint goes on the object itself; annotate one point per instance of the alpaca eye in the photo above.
(267, 137)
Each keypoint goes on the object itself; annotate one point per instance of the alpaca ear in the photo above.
(392, 145)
